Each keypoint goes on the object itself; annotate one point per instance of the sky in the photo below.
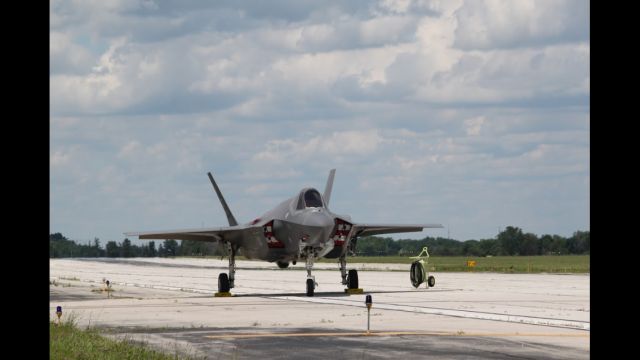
(471, 114)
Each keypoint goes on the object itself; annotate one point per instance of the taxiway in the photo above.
(169, 303)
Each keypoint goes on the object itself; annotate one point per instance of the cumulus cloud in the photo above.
(344, 143)
(438, 111)
(399, 55)
(491, 24)
(474, 125)
(68, 57)
(59, 158)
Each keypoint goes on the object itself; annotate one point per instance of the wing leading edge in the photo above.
(377, 229)
(227, 233)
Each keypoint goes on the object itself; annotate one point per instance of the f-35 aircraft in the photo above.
(300, 228)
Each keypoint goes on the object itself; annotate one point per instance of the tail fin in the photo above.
(327, 189)
(232, 220)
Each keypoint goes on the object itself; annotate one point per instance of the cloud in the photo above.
(129, 149)
(339, 144)
(59, 158)
(474, 125)
(67, 57)
(490, 24)
(473, 114)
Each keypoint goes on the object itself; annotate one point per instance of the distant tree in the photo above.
(374, 246)
(125, 250)
(112, 249)
(136, 251)
(95, 249)
(60, 246)
(587, 241)
(57, 237)
(472, 248)
(510, 240)
(578, 243)
(529, 245)
(197, 248)
(161, 251)
(545, 244)
(171, 247)
(489, 247)
(409, 247)
(152, 249)
(558, 245)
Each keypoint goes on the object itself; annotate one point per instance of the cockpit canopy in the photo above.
(309, 198)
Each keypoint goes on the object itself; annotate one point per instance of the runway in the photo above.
(169, 303)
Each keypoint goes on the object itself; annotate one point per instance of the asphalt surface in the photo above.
(169, 304)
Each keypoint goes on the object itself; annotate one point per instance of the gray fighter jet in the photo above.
(301, 228)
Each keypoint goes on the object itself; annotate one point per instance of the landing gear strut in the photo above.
(311, 280)
(226, 282)
(351, 280)
(343, 269)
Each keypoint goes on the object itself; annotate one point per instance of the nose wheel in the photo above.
(311, 286)
(309, 256)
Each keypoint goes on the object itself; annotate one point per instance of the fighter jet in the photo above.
(301, 228)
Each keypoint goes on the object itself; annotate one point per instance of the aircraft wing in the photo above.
(377, 229)
(229, 233)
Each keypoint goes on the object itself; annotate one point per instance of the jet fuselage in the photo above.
(298, 227)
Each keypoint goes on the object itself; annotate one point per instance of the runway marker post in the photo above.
(368, 301)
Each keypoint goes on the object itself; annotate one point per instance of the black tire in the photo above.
(282, 264)
(431, 281)
(417, 274)
(223, 283)
(353, 279)
(311, 286)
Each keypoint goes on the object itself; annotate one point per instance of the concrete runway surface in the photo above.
(169, 304)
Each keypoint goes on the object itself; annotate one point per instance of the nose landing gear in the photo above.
(309, 255)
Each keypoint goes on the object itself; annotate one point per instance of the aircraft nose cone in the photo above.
(318, 226)
(318, 219)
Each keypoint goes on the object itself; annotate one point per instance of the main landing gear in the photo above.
(225, 282)
(351, 280)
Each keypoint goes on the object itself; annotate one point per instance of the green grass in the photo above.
(506, 264)
(66, 341)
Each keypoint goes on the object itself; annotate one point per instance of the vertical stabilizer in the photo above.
(327, 189)
(232, 220)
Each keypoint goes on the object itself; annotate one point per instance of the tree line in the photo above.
(61, 247)
(511, 241)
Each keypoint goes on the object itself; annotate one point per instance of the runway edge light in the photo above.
(368, 301)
